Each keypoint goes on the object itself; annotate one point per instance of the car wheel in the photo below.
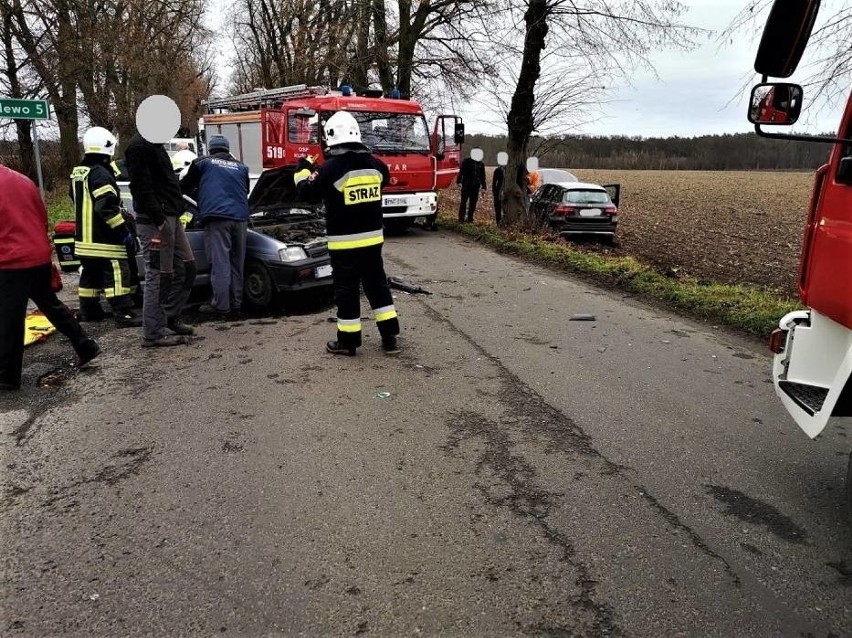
(398, 226)
(258, 289)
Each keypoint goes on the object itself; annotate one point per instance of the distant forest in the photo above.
(742, 151)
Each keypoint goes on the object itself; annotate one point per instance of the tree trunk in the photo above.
(520, 119)
(23, 127)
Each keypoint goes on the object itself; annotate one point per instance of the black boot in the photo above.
(180, 328)
(390, 346)
(335, 348)
(86, 351)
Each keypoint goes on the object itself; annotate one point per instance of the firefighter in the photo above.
(472, 179)
(103, 237)
(180, 162)
(350, 184)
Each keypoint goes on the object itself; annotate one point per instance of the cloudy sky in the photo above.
(696, 92)
(693, 93)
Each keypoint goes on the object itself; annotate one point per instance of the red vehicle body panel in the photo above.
(285, 138)
(825, 271)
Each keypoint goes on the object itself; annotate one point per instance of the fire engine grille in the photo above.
(809, 397)
(317, 250)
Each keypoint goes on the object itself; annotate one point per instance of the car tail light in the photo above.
(777, 341)
(611, 211)
(562, 210)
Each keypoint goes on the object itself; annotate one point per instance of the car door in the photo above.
(537, 201)
(614, 192)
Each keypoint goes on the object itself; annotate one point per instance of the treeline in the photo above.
(741, 151)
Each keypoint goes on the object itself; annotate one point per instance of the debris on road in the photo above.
(404, 286)
(383, 395)
(583, 317)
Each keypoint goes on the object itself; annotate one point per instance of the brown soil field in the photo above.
(730, 227)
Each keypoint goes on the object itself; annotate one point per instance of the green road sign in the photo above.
(24, 109)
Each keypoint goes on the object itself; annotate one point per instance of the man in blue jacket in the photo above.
(220, 185)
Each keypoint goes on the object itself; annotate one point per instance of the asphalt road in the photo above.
(510, 473)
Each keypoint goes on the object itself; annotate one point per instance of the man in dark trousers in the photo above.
(220, 185)
(26, 273)
(350, 184)
(169, 263)
(497, 185)
(472, 180)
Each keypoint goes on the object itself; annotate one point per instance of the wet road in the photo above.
(511, 473)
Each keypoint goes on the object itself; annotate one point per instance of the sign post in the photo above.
(28, 110)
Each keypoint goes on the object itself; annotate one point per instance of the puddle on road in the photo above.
(751, 510)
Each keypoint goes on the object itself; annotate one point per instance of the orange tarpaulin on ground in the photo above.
(37, 328)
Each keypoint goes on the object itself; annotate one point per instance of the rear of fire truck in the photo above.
(813, 347)
(276, 127)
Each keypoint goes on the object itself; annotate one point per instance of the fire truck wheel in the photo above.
(258, 289)
(397, 226)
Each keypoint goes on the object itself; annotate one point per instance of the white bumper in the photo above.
(817, 353)
(409, 204)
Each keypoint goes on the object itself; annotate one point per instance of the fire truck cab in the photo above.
(271, 128)
(812, 369)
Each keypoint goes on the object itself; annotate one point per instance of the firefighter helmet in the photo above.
(181, 161)
(99, 141)
(342, 128)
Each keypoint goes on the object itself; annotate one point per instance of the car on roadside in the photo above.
(571, 207)
(286, 245)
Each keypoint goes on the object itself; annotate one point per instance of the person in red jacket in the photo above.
(26, 271)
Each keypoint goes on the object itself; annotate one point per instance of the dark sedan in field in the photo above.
(578, 208)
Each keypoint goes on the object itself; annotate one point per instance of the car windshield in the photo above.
(586, 197)
(393, 132)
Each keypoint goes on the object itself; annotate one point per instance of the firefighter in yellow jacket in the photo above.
(102, 237)
(350, 184)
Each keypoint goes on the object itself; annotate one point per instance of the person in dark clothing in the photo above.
(350, 184)
(472, 179)
(169, 263)
(497, 185)
(220, 185)
(103, 236)
(26, 272)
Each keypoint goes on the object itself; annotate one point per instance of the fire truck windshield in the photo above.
(393, 132)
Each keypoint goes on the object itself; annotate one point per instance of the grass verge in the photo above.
(751, 309)
(59, 207)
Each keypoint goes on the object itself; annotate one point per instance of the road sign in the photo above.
(24, 109)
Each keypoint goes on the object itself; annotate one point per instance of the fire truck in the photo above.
(271, 128)
(812, 368)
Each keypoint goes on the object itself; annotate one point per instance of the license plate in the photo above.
(394, 201)
(590, 212)
(321, 272)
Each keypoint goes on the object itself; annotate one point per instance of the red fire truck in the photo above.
(275, 127)
(812, 368)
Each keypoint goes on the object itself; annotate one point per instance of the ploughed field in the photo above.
(730, 227)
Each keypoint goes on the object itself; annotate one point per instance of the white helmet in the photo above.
(182, 160)
(342, 128)
(100, 141)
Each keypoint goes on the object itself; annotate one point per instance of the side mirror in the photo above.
(458, 134)
(777, 104)
(785, 35)
(305, 112)
(844, 172)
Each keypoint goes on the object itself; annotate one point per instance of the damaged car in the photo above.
(286, 245)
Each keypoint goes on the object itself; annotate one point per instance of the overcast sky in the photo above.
(696, 92)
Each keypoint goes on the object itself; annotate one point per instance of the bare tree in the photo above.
(590, 43)
(18, 81)
(829, 68)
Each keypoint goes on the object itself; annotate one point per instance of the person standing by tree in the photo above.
(497, 184)
(472, 179)
(26, 272)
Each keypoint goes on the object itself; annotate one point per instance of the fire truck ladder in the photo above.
(267, 97)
